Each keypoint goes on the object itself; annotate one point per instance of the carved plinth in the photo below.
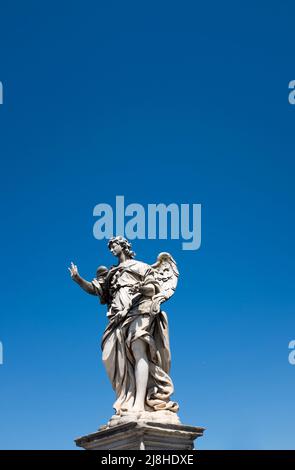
(140, 435)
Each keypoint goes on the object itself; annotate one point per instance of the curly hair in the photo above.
(125, 244)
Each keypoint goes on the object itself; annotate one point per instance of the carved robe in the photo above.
(130, 318)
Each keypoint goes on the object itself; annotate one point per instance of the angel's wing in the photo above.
(166, 273)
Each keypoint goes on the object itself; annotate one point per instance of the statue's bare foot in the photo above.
(137, 409)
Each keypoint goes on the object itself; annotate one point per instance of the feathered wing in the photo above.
(166, 273)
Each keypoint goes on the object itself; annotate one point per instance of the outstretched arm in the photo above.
(87, 286)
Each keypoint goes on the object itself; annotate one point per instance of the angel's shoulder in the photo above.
(141, 265)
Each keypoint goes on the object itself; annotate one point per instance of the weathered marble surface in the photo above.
(142, 436)
(164, 417)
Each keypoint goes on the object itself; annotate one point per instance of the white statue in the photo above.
(135, 344)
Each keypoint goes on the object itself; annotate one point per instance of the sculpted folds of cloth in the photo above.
(135, 344)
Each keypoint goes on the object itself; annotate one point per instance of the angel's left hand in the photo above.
(135, 288)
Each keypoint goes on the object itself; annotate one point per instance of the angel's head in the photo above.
(118, 245)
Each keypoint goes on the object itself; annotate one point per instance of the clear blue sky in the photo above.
(182, 102)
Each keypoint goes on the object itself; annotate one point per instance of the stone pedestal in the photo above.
(142, 435)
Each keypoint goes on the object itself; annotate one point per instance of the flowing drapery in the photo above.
(130, 319)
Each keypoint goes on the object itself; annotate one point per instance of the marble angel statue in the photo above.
(135, 344)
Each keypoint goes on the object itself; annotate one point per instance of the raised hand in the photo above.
(73, 270)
